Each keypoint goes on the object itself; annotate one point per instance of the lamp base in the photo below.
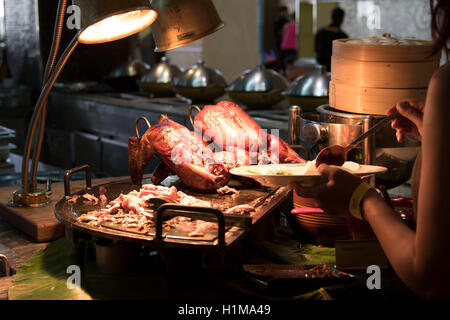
(35, 199)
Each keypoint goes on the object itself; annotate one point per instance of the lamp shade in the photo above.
(183, 21)
(109, 20)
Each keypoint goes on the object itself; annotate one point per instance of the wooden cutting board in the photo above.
(41, 223)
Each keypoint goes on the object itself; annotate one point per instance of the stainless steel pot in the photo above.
(200, 83)
(258, 88)
(311, 90)
(328, 126)
(158, 81)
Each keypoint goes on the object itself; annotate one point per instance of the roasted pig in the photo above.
(180, 152)
(224, 137)
(232, 129)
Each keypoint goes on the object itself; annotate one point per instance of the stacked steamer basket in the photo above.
(368, 77)
(371, 75)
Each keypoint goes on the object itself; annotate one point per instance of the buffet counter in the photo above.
(280, 253)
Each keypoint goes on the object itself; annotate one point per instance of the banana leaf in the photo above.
(311, 254)
(44, 277)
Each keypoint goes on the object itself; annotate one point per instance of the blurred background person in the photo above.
(289, 42)
(278, 27)
(324, 38)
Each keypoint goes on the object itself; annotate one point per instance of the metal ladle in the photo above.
(336, 155)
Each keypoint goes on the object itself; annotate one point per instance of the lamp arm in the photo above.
(40, 106)
(57, 32)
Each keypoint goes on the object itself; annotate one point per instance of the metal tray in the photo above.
(231, 227)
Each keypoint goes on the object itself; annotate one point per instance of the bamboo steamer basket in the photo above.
(365, 100)
(370, 78)
(344, 48)
(380, 74)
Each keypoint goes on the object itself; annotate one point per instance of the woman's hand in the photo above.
(333, 196)
(410, 121)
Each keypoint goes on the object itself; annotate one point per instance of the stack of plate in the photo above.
(317, 227)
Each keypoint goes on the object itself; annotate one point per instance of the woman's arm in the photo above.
(422, 260)
(433, 228)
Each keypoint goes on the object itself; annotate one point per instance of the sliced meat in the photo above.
(227, 190)
(90, 198)
(73, 199)
(241, 209)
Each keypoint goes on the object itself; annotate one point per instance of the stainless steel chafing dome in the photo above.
(131, 68)
(258, 88)
(126, 75)
(158, 81)
(310, 90)
(200, 83)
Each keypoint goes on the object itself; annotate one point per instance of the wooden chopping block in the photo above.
(40, 223)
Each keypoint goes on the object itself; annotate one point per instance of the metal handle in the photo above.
(374, 129)
(48, 184)
(137, 122)
(190, 212)
(305, 150)
(6, 266)
(191, 108)
(313, 132)
(295, 113)
(85, 168)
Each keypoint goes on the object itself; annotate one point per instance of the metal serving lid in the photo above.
(200, 76)
(314, 84)
(162, 72)
(259, 79)
(131, 68)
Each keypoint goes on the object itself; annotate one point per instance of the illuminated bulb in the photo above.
(118, 26)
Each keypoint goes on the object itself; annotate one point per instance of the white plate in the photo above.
(265, 174)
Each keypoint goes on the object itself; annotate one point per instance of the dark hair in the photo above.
(440, 25)
(337, 16)
(283, 9)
